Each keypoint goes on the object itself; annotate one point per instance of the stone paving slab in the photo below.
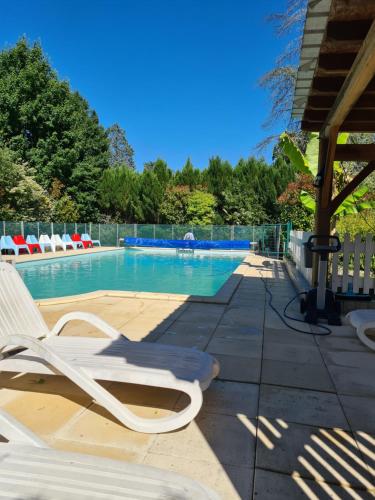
(291, 374)
(288, 337)
(228, 398)
(251, 349)
(270, 485)
(226, 439)
(297, 353)
(301, 406)
(332, 455)
(239, 333)
(360, 411)
(231, 482)
(239, 369)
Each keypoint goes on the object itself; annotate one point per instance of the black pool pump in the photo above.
(320, 302)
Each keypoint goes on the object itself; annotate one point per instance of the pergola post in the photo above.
(324, 180)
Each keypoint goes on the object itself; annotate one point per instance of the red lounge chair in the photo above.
(19, 240)
(85, 243)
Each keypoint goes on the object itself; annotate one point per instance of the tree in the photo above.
(50, 127)
(218, 176)
(189, 176)
(65, 210)
(280, 80)
(308, 163)
(200, 209)
(174, 205)
(121, 153)
(119, 194)
(243, 210)
(161, 169)
(150, 196)
(291, 208)
(21, 197)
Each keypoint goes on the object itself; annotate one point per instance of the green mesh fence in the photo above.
(268, 239)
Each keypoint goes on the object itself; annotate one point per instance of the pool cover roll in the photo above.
(193, 244)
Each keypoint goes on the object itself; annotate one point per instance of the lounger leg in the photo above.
(105, 398)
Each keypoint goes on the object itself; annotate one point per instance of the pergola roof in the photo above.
(333, 57)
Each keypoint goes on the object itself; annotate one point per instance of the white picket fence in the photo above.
(346, 272)
(296, 251)
(360, 280)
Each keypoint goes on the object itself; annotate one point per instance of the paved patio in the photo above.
(291, 415)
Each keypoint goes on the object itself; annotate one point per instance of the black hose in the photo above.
(326, 330)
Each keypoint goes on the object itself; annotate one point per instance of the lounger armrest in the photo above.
(16, 433)
(88, 318)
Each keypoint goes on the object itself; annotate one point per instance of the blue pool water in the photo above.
(143, 271)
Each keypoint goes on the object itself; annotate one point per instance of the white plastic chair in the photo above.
(85, 360)
(45, 242)
(362, 320)
(30, 469)
(74, 244)
(87, 237)
(58, 243)
(7, 243)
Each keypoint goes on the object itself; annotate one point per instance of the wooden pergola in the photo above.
(335, 91)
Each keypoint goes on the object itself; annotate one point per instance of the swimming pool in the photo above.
(135, 270)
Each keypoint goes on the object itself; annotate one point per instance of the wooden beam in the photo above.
(345, 127)
(327, 146)
(360, 77)
(351, 186)
(356, 115)
(355, 152)
(330, 46)
(344, 10)
(321, 102)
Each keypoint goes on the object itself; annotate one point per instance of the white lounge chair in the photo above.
(45, 242)
(85, 360)
(74, 244)
(362, 320)
(7, 243)
(58, 243)
(87, 237)
(29, 469)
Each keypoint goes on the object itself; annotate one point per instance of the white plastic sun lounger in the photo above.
(29, 469)
(85, 360)
(362, 320)
(45, 242)
(58, 243)
(68, 240)
(87, 237)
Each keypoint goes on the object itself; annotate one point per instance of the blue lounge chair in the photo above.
(7, 244)
(68, 240)
(87, 237)
(31, 239)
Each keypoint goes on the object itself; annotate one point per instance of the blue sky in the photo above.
(180, 76)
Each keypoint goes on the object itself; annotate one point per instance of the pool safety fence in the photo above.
(190, 244)
(269, 239)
